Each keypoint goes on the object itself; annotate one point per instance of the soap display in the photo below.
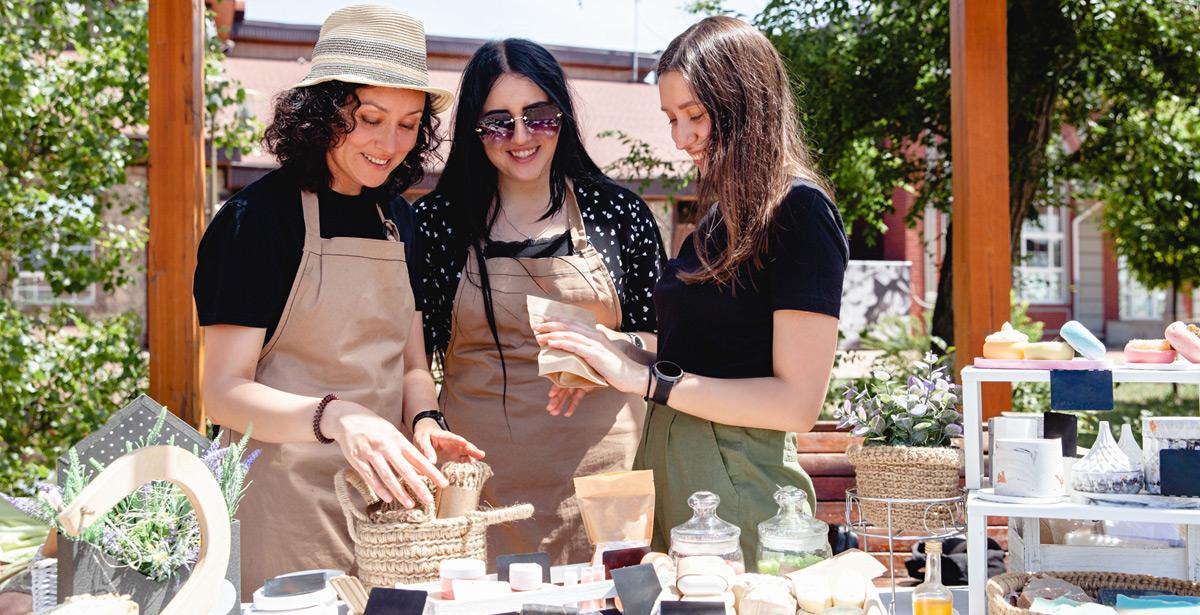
(706, 533)
(1007, 343)
(1082, 340)
(1149, 351)
(792, 539)
(1185, 339)
(1166, 433)
(1106, 468)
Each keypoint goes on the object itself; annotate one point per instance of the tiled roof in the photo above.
(632, 108)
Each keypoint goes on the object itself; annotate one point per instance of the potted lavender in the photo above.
(145, 547)
(907, 426)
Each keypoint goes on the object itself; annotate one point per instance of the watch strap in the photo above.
(436, 415)
(662, 389)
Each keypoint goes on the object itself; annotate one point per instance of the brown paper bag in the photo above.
(617, 506)
(561, 367)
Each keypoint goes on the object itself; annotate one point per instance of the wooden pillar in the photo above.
(176, 175)
(979, 129)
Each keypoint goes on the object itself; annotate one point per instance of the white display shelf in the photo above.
(1175, 562)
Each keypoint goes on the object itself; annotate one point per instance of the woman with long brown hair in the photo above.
(748, 311)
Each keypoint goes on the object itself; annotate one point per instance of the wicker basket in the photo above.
(1000, 586)
(391, 551)
(43, 574)
(909, 473)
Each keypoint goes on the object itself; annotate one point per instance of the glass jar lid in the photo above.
(705, 533)
(793, 529)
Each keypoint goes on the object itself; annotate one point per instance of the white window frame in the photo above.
(1056, 240)
(935, 250)
(30, 287)
(1136, 301)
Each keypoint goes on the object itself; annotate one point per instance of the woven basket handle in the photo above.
(502, 515)
(344, 477)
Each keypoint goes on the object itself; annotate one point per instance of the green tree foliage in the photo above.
(1152, 195)
(73, 117)
(874, 87)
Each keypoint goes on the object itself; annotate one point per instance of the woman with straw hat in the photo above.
(304, 286)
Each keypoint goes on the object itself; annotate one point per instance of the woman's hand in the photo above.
(429, 437)
(561, 398)
(603, 354)
(380, 453)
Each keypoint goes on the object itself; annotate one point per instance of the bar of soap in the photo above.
(760, 594)
(701, 584)
(1080, 338)
(812, 593)
(1049, 351)
(849, 590)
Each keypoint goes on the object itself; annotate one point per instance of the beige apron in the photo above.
(535, 456)
(342, 331)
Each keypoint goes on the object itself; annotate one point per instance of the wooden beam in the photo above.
(176, 175)
(979, 127)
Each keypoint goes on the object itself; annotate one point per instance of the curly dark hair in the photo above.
(312, 120)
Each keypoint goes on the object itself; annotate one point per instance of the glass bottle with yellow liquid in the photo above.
(931, 597)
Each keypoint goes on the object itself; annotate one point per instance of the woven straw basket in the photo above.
(910, 473)
(1000, 586)
(407, 546)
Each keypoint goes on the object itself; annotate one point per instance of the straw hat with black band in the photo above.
(374, 45)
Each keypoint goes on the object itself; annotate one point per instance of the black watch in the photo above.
(431, 414)
(667, 374)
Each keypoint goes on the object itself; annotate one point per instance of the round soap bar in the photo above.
(1149, 351)
(1049, 351)
(1082, 340)
(1185, 339)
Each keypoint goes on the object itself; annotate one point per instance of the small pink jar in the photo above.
(459, 570)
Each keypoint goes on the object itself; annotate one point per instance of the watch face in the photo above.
(668, 369)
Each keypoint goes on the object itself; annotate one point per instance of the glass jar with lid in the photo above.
(706, 533)
(792, 539)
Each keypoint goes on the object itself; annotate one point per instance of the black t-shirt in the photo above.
(711, 330)
(250, 252)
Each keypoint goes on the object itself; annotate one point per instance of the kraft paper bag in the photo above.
(561, 367)
(617, 506)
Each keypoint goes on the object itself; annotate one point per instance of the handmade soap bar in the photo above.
(760, 594)
(812, 593)
(1079, 337)
(1007, 343)
(1049, 351)
(1185, 339)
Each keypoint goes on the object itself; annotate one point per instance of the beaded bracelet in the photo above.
(317, 419)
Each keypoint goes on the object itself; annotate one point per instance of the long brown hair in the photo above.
(756, 146)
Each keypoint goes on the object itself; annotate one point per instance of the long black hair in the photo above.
(470, 182)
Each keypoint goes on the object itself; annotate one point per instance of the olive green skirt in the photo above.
(744, 466)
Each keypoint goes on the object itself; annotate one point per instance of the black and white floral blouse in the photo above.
(619, 225)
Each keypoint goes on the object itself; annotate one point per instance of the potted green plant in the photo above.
(907, 426)
(146, 546)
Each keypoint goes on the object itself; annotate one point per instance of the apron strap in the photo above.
(312, 221)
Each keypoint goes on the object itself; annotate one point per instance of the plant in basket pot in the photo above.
(907, 426)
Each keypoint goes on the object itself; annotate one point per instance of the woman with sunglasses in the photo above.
(748, 311)
(521, 209)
